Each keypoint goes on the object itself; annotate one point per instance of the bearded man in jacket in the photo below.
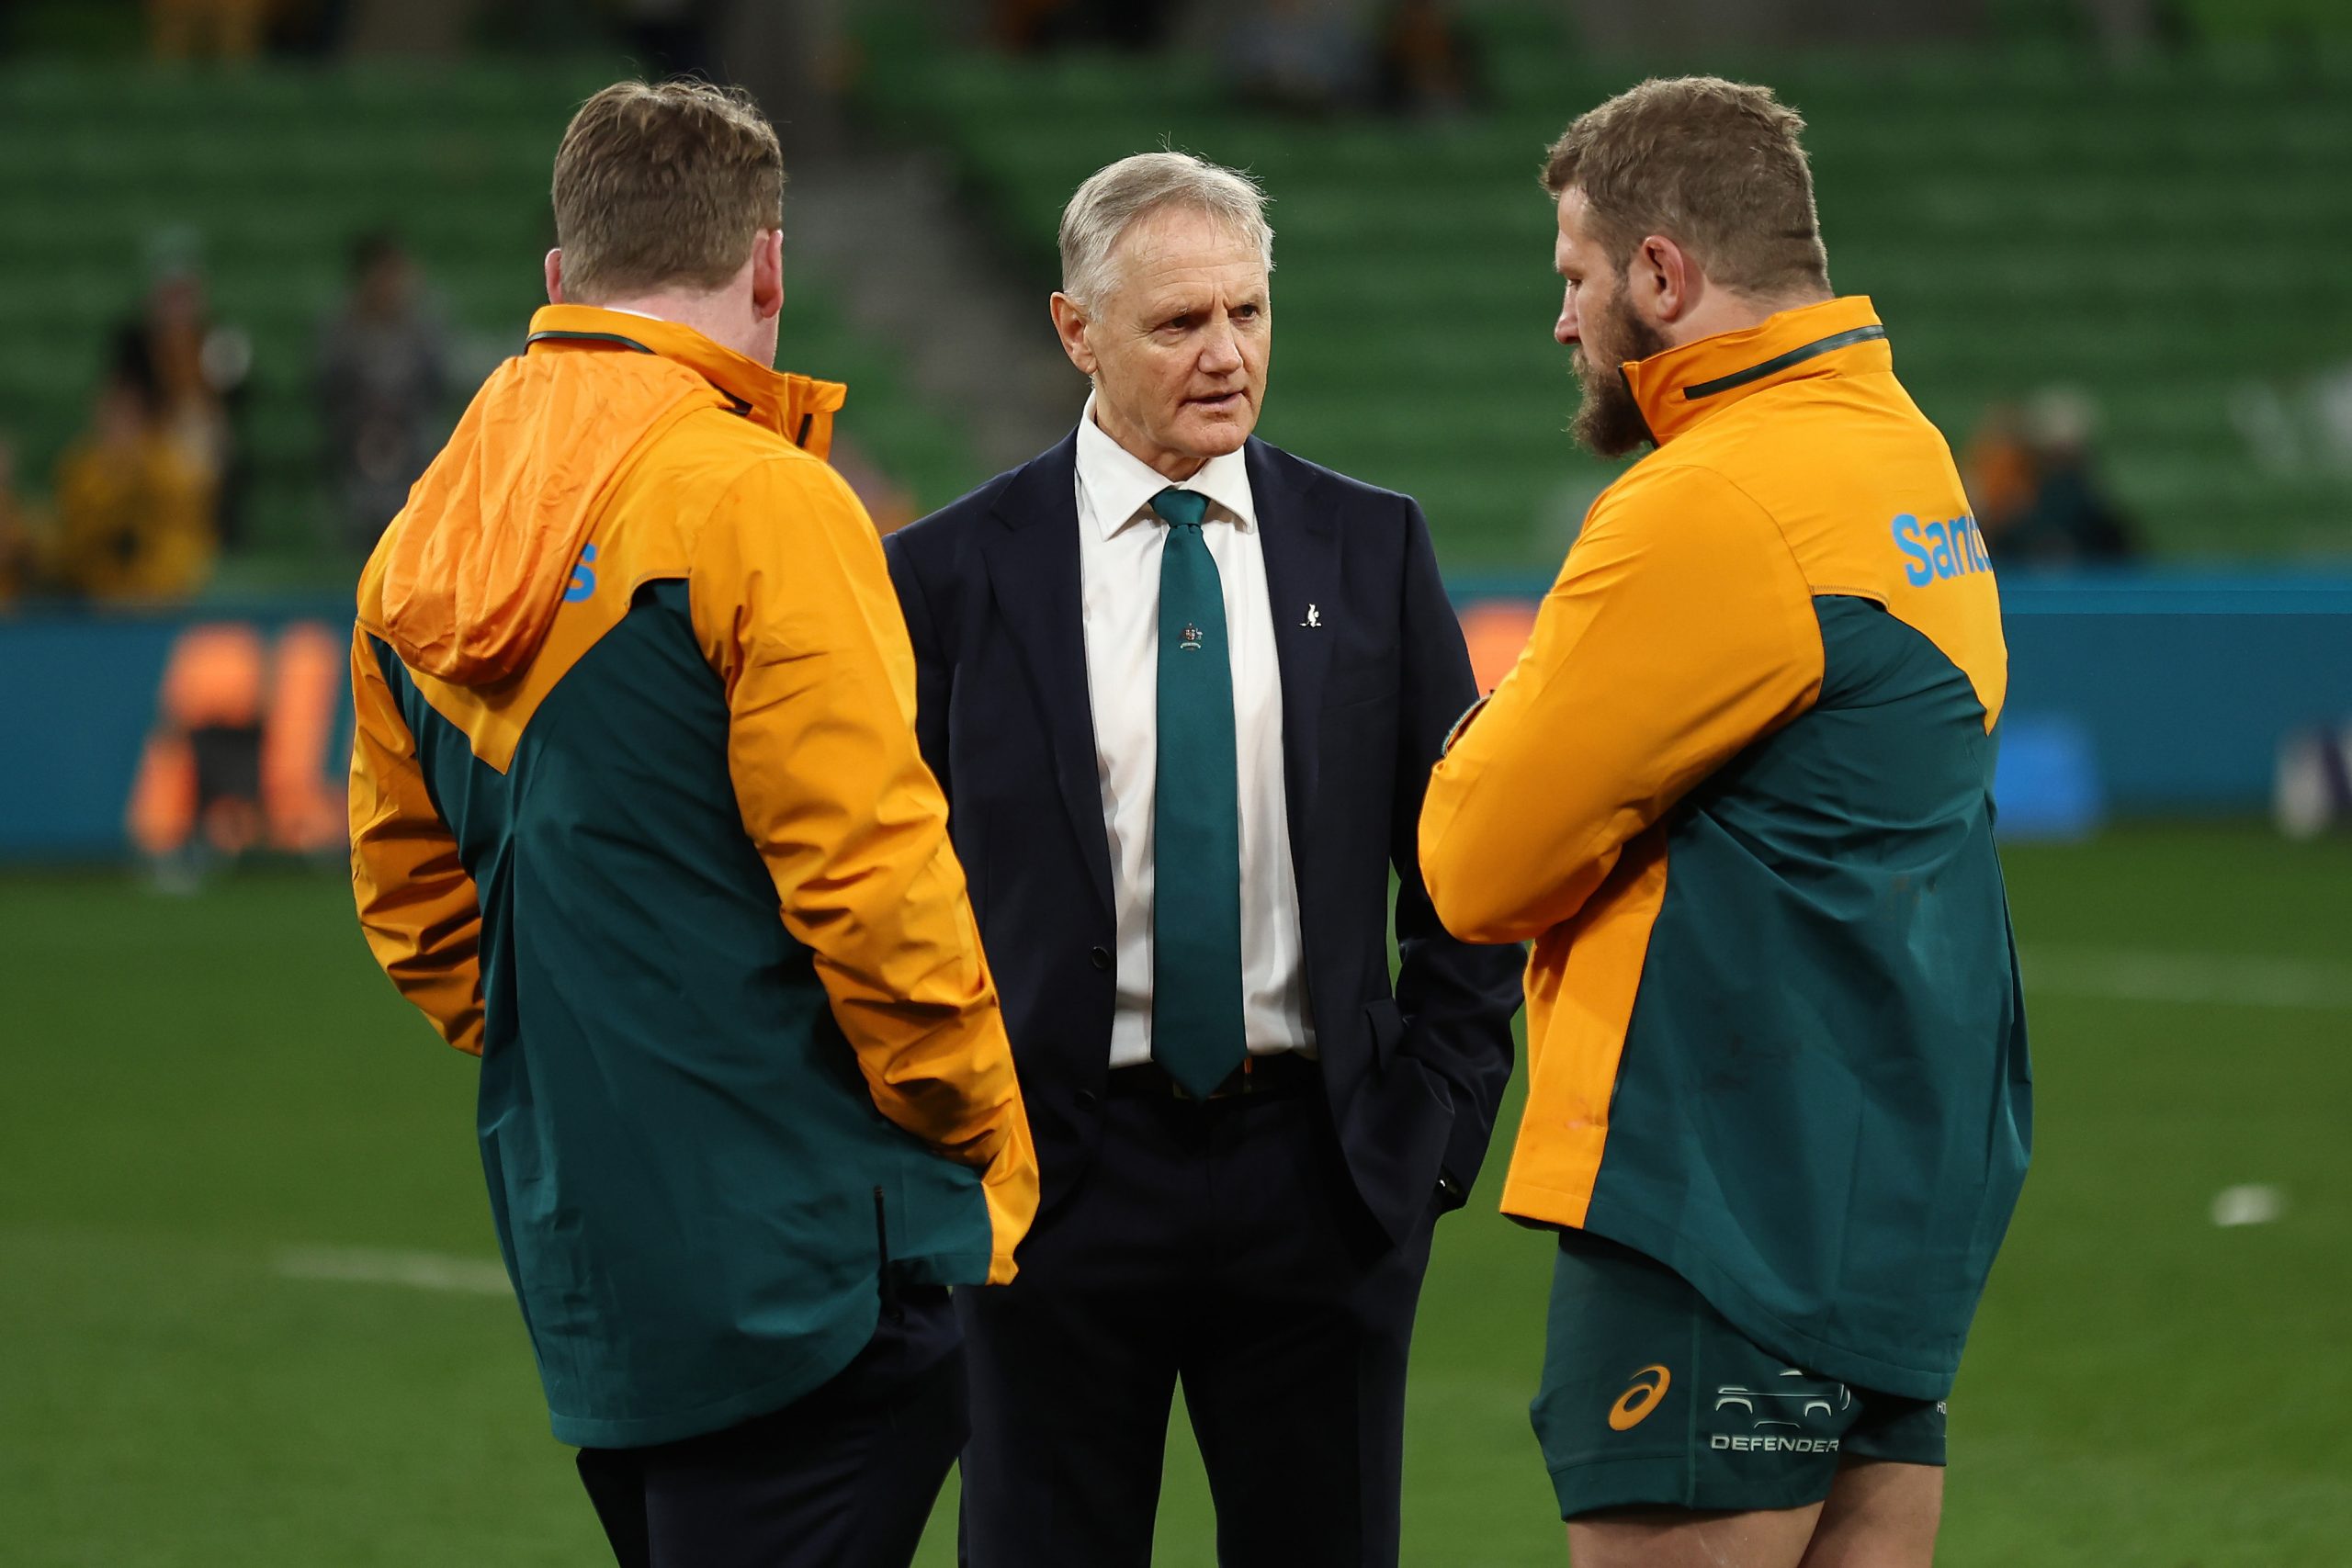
(1739, 794)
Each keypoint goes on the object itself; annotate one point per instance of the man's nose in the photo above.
(1221, 355)
(1563, 331)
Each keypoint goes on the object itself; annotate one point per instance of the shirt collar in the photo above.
(1683, 386)
(798, 408)
(1120, 485)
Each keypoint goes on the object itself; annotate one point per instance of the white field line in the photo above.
(2210, 978)
(416, 1270)
(2105, 973)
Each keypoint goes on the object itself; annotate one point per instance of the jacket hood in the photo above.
(477, 562)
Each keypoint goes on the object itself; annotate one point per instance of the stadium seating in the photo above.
(272, 170)
(2159, 235)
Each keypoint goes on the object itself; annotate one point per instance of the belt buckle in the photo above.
(1245, 1080)
(1236, 1084)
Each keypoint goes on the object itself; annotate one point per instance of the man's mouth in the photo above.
(1217, 402)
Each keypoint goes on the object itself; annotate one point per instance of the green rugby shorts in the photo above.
(1649, 1397)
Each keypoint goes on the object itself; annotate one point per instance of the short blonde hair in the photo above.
(664, 184)
(1713, 166)
(1114, 198)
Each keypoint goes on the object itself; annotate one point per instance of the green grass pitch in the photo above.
(190, 1087)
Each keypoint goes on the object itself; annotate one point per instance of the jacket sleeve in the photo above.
(418, 906)
(1681, 630)
(1458, 1000)
(793, 606)
(933, 682)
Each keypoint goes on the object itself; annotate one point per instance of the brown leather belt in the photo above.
(1285, 1072)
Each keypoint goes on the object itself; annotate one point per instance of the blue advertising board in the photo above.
(2173, 690)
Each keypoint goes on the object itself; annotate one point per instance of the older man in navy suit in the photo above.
(1183, 691)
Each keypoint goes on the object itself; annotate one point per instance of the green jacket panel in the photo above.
(699, 1203)
(1822, 1112)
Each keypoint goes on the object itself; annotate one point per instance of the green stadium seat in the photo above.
(276, 169)
(2023, 217)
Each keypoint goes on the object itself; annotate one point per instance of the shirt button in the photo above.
(1100, 957)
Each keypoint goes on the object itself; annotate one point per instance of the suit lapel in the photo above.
(1033, 571)
(1301, 544)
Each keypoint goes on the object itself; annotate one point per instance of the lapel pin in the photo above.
(1314, 619)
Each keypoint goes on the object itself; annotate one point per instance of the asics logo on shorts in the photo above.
(1637, 1402)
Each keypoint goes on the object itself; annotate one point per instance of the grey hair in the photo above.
(1115, 197)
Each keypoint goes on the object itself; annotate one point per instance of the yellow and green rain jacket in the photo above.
(1737, 791)
(638, 816)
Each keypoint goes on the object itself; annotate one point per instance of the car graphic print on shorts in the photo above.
(1789, 1404)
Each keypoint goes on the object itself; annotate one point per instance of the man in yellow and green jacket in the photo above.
(1737, 793)
(638, 818)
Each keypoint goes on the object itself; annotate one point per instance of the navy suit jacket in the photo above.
(989, 585)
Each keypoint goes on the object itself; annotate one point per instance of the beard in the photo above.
(1609, 422)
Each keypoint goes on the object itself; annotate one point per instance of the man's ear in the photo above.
(768, 275)
(1069, 325)
(554, 265)
(1665, 280)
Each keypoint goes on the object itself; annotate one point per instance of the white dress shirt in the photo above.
(1119, 544)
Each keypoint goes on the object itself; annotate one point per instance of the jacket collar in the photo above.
(798, 408)
(1679, 388)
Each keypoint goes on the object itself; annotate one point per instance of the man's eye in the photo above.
(1177, 324)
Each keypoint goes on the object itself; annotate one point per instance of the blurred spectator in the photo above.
(1311, 57)
(307, 28)
(1998, 470)
(669, 38)
(2072, 519)
(383, 380)
(20, 533)
(1428, 63)
(194, 373)
(223, 29)
(134, 515)
(2126, 29)
(1032, 26)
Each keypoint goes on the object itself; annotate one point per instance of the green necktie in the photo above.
(1196, 1029)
